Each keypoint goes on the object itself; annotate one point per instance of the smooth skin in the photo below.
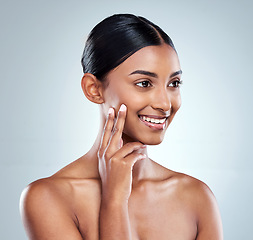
(115, 191)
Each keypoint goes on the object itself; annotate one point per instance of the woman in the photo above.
(131, 69)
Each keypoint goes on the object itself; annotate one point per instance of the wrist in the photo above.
(113, 202)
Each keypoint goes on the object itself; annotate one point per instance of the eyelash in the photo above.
(177, 82)
(148, 82)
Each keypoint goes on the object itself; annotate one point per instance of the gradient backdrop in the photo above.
(46, 122)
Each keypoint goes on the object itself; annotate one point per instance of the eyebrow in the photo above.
(152, 74)
(176, 73)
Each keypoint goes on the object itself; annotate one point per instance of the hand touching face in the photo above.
(115, 160)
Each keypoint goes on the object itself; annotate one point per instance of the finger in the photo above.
(118, 128)
(128, 149)
(132, 158)
(107, 130)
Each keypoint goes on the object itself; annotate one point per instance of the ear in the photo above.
(92, 88)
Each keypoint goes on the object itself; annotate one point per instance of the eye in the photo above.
(175, 84)
(144, 84)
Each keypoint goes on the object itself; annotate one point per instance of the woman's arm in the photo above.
(209, 219)
(45, 214)
(115, 169)
(114, 221)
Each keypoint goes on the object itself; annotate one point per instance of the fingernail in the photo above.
(110, 111)
(143, 146)
(142, 156)
(122, 108)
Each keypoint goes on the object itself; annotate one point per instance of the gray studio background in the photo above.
(46, 122)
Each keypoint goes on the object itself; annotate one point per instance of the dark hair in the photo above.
(115, 39)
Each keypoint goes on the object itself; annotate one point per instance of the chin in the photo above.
(152, 141)
(146, 140)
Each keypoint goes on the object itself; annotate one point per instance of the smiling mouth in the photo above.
(154, 122)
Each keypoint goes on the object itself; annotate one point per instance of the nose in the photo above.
(162, 100)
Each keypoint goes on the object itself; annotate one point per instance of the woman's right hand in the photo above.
(116, 161)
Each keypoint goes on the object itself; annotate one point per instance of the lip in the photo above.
(154, 126)
(155, 116)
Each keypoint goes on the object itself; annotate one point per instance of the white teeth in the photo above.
(153, 120)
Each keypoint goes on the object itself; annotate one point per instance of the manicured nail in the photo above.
(110, 111)
(122, 108)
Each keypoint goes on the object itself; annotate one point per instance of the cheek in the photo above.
(113, 97)
(176, 102)
(134, 101)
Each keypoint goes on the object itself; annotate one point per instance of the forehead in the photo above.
(162, 60)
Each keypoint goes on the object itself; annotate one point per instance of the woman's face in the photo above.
(148, 84)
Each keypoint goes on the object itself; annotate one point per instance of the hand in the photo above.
(116, 161)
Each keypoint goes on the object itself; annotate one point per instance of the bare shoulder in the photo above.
(61, 189)
(202, 201)
(44, 211)
(183, 183)
(44, 191)
(192, 187)
(50, 204)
